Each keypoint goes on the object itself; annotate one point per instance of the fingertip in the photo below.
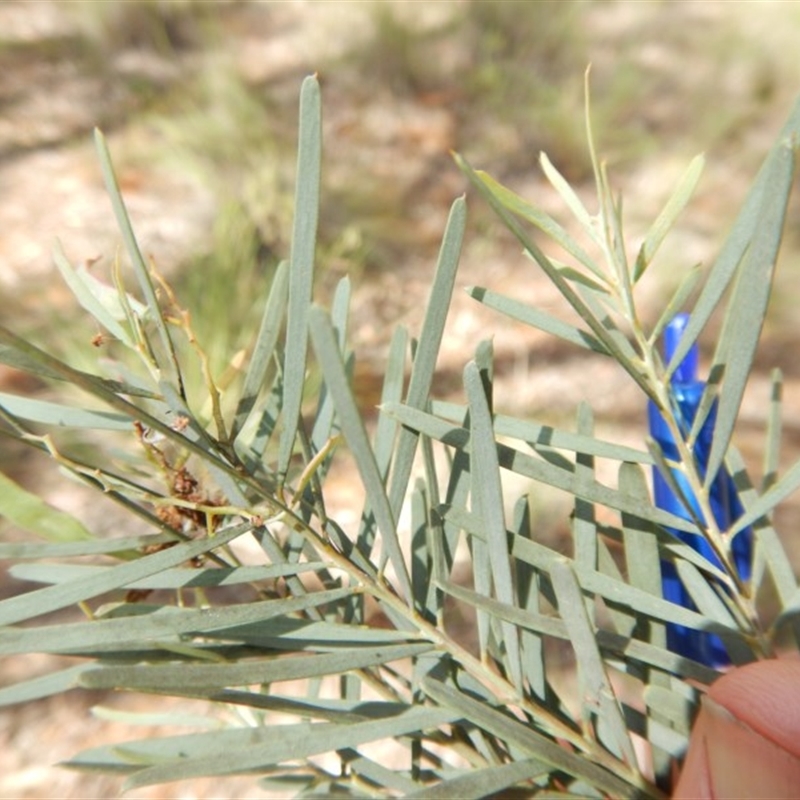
(746, 740)
(765, 696)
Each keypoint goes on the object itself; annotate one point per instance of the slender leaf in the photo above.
(257, 435)
(264, 348)
(269, 746)
(676, 302)
(641, 548)
(392, 391)
(481, 563)
(176, 678)
(100, 300)
(642, 557)
(424, 554)
(31, 513)
(42, 686)
(83, 547)
(666, 219)
(737, 243)
(517, 205)
(584, 527)
(747, 308)
(175, 578)
(284, 633)
(704, 597)
(309, 708)
(530, 620)
(20, 354)
(560, 184)
(384, 443)
(537, 319)
(779, 491)
(163, 625)
(170, 366)
(535, 433)
(766, 540)
(340, 310)
(301, 276)
(596, 689)
(322, 431)
(774, 430)
(427, 352)
(48, 413)
(330, 359)
(576, 276)
(43, 601)
(420, 559)
(528, 592)
(488, 496)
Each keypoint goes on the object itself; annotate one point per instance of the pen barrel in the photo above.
(699, 645)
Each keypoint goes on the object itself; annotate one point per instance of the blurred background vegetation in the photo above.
(199, 97)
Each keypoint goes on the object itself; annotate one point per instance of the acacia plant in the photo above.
(335, 636)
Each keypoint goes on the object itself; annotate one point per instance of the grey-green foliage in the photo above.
(368, 604)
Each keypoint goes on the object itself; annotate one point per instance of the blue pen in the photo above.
(686, 392)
